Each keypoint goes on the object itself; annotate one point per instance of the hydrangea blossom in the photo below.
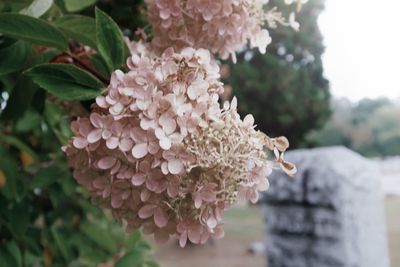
(160, 152)
(221, 26)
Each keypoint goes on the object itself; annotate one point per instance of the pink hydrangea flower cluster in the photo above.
(221, 26)
(160, 152)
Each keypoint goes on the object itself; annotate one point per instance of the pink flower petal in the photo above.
(153, 148)
(116, 202)
(100, 183)
(165, 143)
(146, 211)
(125, 144)
(117, 109)
(183, 239)
(112, 142)
(96, 120)
(139, 150)
(172, 190)
(208, 195)
(138, 179)
(94, 135)
(160, 218)
(159, 133)
(248, 121)
(145, 195)
(212, 222)
(175, 166)
(197, 200)
(106, 163)
(168, 124)
(79, 142)
(146, 124)
(194, 234)
(138, 135)
(106, 134)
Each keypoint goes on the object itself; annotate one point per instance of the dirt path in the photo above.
(243, 225)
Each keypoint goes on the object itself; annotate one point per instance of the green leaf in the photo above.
(37, 8)
(79, 28)
(6, 42)
(131, 259)
(133, 240)
(56, 195)
(9, 167)
(100, 65)
(30, 29)
(78, 5)
(20, 98)
(66, 81)
(61, 242)
(15, 252)
(102, 237)
(31, 259)
(28, 122)
(68, 184)
(14, 57)
(46, 177)
(6, 258)
(110, 41)
(18, 217)
(14, 141)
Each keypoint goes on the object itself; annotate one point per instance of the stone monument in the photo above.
(330, 214)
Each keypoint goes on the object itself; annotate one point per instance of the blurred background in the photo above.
(336, 82)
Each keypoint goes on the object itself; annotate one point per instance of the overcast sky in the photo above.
(362, 39)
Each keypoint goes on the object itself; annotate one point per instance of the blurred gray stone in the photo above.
(330, 215)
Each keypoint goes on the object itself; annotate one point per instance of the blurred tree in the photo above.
(285, 89)
(371, 127)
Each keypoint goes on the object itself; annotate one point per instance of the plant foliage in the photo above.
(46, 219)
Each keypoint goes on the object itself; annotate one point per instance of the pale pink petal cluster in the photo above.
(160, 152)
(223, 26)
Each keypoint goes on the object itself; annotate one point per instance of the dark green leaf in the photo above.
(78, 5)
(68, 184)
(61, 242)
(66, 81)
(80, 28)
(37, 8)
(110, 41)
(133, 240)
(101, 237)
(46, 177)
(7, 259)
(13, 57)
(14, 141)
(18, 217)
(30, 259)
(30, 29)
(9, 167)
(20, 98)
(15, 252)
(100, 65)
(6, 42)
(56, 195)
(28, 122)
(131, 259)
